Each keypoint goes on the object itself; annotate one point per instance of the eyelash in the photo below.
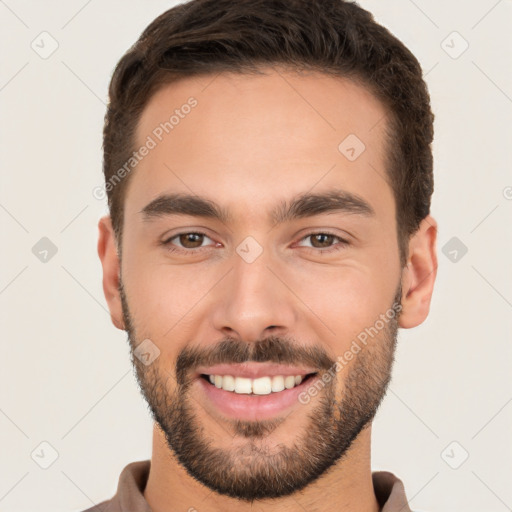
(167, 243)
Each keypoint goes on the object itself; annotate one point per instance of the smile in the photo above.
(253, 399)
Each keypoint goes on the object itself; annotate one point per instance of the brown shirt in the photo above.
(389, 491)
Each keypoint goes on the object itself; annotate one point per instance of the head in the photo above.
(269, 176)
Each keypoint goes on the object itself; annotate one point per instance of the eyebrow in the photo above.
(305, 205)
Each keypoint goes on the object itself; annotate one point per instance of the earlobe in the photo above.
(419, 275)
(107, 252)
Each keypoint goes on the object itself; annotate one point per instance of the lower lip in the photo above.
(251, 407)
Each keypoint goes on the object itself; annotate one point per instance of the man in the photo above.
(269, 175)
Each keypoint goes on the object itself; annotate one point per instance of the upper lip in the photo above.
(255, 370)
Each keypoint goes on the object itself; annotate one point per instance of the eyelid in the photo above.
(343, 242)
(322, 232)
(167, 240)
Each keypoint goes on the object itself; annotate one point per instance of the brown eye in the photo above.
(324, 240)
(191, 240)
(186, 242)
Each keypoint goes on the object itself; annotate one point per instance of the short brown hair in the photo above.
(336, 37)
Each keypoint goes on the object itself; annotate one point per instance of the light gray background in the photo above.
(66, 378)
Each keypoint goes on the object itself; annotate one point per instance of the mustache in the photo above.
(273, 349)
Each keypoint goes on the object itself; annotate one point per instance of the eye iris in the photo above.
(194, 240)
(323, 235)
(188, 238)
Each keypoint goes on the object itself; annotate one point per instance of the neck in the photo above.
(346, 486)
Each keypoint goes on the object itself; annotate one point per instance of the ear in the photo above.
(419, 275)
(107, 251)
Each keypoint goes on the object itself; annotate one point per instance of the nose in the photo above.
(252, 302)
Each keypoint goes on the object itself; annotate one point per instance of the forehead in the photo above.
(256, 138)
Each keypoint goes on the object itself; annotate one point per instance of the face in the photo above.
(276, 259)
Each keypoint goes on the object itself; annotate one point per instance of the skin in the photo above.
(251, 142)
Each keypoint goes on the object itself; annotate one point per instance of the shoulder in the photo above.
(130, 488)
(389, 491)
(104, 506)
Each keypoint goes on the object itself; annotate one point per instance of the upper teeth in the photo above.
(260, 386)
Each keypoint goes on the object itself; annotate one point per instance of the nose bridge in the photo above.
(251, 298)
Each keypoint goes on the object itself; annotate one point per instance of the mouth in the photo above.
(270, 392)
(265, 385)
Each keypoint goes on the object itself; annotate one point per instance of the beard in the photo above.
(249, 469)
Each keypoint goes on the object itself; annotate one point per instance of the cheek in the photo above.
(161, 292)
(346, 299)
(161, 306)
(161, 298)
(165, 299)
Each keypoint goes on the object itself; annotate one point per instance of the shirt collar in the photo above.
(389, 491)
